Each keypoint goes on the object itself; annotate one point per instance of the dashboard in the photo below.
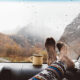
(19, 71)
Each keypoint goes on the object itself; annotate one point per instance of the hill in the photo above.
(71, 36)
(31, 42)
(8, 47)
(17, 50)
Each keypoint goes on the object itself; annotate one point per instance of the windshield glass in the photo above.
(24, 27)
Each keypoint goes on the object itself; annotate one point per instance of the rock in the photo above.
(71, 37)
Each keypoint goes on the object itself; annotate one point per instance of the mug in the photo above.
(37, 59)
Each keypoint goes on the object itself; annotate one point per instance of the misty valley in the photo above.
(20, 46)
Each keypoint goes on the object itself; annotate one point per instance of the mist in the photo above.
(44, 18)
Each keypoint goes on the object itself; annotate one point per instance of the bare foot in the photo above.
(63, 48)
(50, 47)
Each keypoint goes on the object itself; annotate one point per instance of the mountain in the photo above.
(71, 36)
(7, 45)
(5, 41)
(30, 41)
(32, 35)
(21, 41)
(17, 48)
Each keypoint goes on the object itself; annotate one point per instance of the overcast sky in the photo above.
(50, 17)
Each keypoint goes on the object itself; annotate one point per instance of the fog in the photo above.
(46, 18)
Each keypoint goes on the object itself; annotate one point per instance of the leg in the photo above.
(63, 48)
(50, 47)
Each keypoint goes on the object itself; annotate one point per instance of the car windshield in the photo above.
(24, 27)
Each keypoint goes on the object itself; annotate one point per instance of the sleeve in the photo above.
(54, 72)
